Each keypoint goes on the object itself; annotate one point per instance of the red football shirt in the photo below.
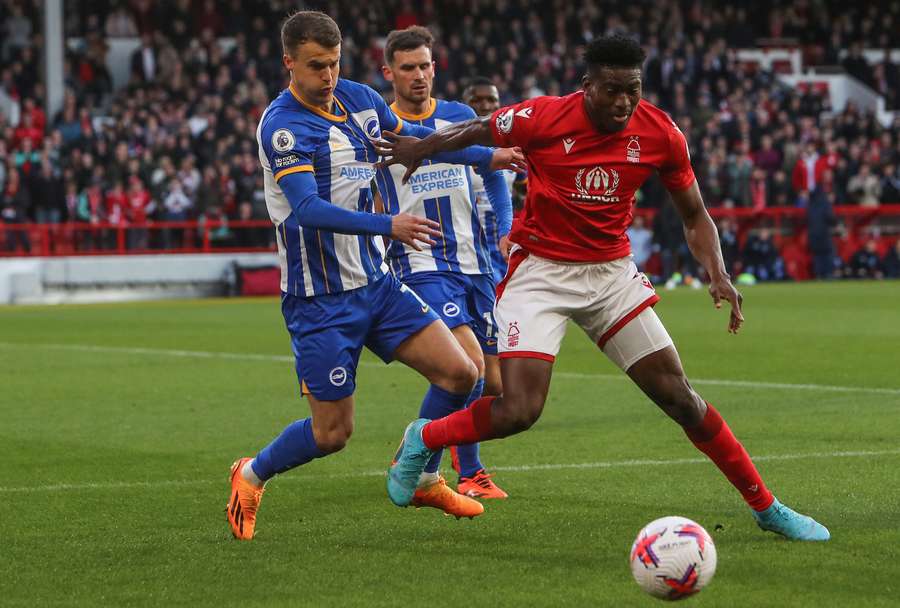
(581, 182)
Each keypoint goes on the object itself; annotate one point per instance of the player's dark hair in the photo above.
(477, 81)
(406, 40)
(616, 51)
(480, 81)
(306, 26)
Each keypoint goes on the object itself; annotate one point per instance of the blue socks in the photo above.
(295, 446)
(437, 404)
(469, 462)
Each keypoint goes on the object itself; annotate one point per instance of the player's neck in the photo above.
(413, 108)
(593, 119)
(326, 105)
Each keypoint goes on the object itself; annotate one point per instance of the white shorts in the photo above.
(610, 301)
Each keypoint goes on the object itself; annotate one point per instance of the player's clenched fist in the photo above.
(412, 230)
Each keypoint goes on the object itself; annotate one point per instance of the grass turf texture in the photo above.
(114, 477)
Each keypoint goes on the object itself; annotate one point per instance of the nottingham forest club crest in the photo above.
(633, 149)
(596, 185)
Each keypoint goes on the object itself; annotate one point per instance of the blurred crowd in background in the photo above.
(178, 141)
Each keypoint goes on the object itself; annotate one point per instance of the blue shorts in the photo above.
(460, 299)
(328, 332)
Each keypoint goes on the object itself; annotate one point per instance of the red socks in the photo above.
(712, 437)
(468, 425)
(715, 439)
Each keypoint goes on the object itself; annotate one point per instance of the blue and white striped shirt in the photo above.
(295, 137)
(442, 192)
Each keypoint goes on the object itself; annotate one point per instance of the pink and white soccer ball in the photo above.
(673, 558)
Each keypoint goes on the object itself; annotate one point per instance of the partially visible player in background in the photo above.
(482, 96)
(315, 148)
(454, 275)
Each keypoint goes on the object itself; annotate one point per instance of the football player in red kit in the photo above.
(587, 154)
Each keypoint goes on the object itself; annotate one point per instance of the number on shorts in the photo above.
(489, 325)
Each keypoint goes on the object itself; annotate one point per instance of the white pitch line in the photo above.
(610, 464)
(203, 354)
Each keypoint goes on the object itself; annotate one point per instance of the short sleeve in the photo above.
(386, 117)
(286, 150)
(676, 172)
(514, 125)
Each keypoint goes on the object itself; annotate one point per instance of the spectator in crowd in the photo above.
(668, 240)
(641, 241)
(890, 183)
(767, 157)
(27, 133)
(779, 190)
(865, 187)
(739, 168)
(116, 204)
(759, 190)
(17, 32)
(891, 261)
(804, 174)
(761, 258)
(865, 263)
(4, 156)
(857, 66)
(730, 246)
(177, 205)
(120, 23)
(820, 220)
(49, 202)
(144, 64)
(14, 203)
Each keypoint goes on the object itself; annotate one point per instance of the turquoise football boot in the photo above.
(790, 524)
(410, 461)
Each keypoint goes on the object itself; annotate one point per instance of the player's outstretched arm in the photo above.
(314, 212)
(703, 240)
(411, 151)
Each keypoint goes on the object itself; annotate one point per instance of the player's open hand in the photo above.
(400, 150)
(508, 158)
(722, 289)
(412, 230)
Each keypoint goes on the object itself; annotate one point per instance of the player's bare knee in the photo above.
(334, 439)
(519, 412)
(525, 420)
(681, 402)
(478, 361)
(462, 376)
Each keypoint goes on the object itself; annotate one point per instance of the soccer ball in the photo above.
(673, 558)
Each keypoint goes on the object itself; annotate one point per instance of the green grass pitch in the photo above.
(119, 423)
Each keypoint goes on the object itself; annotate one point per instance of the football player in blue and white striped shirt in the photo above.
(315, 147)
(454, 275)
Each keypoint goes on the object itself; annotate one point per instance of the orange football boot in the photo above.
(480, 485)
(244, 501)
(440, 496)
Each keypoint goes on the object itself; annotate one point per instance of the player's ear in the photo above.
(387, 73)
(288, 62)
